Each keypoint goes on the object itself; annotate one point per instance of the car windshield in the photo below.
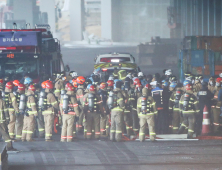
(115, 59)
(17, 67)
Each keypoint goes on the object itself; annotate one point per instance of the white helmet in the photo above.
(220, 75)
(74, 74)
(129, 75)
(168, 72)
(140, 74)
(111, 77)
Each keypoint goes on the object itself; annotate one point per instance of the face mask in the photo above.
(217, 84)
(211, 83)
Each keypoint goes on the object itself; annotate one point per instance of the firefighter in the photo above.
(49, 108)
(20, 116)
(11, 104)
(59, 85)
(216, 104)
(93, 108)
(15, 83)
(122, 75)
(211, 84)
(204, 96)
(70, 113)
(79, 95)
(157, 94)
(142, 79)
(115, 73)
(4, 120)
(104, 119)
(2, 87)
(197, 84)
(189, 109)
(174, 109)
(117, 105)
(28, 81)
(30, 114)
(146, 107)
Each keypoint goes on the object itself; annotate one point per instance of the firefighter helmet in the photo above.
(28, 80)
(9, 85)
(67, 85)
(48, 85)
(32, 88)
(165, 84)
(138, 85)
(173, 84)
(186, 82)
(16, 82)
(1, 81)
(75, 83)
(71, 88)
(102, 85)
(92, 88)
(188, 87)
(81, 80)
(148, 86)
(43, 84)
(136, 81)
(218, 79)
(89, 86)
(21, 87)
(110, 83)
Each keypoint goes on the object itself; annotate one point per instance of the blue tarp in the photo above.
(14, 39)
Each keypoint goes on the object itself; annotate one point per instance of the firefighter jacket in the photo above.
(166, 96)
(51, 103)
(197, 87)
(120, 102)
(122, 74)
(92, 103)
(31, 104)
(204, 96)
(146, 105)
(138, 93)
(80, 94)
(132, 99)
(189, 103)
(115, 74)
(211, 88)
(10, 100)
(58, 87)
(157, 95)
(215, 99)
(73, 107)
(3, 111)
(104, 96)
(174, 100)
(1, 87)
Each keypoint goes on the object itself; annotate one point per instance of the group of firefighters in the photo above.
(128, 104)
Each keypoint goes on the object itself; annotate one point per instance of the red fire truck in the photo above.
(32, 52)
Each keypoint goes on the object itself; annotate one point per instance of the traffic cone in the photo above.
(206, 122)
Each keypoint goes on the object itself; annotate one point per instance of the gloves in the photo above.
(65, 111)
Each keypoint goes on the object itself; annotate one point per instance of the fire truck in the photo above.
(32, 52)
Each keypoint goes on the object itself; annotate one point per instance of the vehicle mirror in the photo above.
(67, 69)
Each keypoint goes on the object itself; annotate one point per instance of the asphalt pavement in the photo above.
(107, 155)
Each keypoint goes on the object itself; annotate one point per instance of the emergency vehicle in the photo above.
(29, 51)
(120, 61)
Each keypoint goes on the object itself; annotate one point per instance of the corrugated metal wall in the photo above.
(199, 17)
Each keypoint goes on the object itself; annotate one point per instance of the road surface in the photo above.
(106, 155)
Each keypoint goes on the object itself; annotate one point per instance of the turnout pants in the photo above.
(116, 126)
(5, 135)
(188, 121)
(41, 126)
(19, 126)
(79, 126)
(93, 123)
(104, 125)
(135, 120)
(11, 125)
(147, 119)
(67, 127)
(128, 122)
(28, 127)
(216, 117)
(48, 119)
(177, 119)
